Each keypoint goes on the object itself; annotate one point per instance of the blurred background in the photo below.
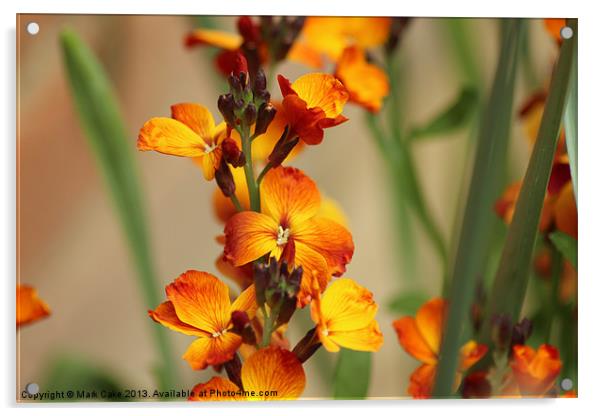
(70, 245)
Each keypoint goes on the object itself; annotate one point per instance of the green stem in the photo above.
(263, 172)
(249, 173)
(486, 179)
(236, 202)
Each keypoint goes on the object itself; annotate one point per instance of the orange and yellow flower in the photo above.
(421, 338)
(191, 132)
(345, 317)
(289, 225)
(199, 305)
(30, 307)
(553, 26)
(268, 370)
(366, 83)
(535, 372)
(312, 103)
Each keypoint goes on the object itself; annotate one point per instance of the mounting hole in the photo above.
(33, 28)
(566, 32)
(566, 384)
(32, 388)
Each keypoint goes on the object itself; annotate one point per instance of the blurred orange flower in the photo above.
(421, 338)
(345, 317)
(553, 26)
(191, 132)
(289, 226)
(535, 372)
(199, 305)
(30, 307)
(312, 103)
(366, 83)
(271, 369)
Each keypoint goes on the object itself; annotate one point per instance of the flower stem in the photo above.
(236, 202)
(249, 174)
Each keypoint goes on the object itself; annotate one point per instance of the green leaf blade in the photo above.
(567, 245)
(352, 374)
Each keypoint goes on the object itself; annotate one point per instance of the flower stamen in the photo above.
(283, 235)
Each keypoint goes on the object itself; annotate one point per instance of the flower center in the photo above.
(219, 333)
(210, 148)
(325, 332)
(283, 235)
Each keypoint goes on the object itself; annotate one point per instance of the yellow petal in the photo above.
(429, 320)
(322, 91)
(171, 137)
(198, 118)
(209, 350)
(369, 338)
(217, 38)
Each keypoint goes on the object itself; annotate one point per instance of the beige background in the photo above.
(70, 244)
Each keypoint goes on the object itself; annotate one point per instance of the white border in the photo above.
(590, 94)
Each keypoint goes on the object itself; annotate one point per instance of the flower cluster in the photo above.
(282, 242)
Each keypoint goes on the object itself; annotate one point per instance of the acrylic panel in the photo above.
(291, 208)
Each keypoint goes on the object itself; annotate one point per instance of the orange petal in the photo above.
(535, 371)
(243, 275)
(217, 38)
(305, 54)
(30, 307)
(429, 320)
(470, 353)
(200, 300)
(165, 314)
(274, 369)
(198, 118)
(212, 350)
(245, 302)
(330, 239)
(314, 269)
(288, 195)
(321, 91)
(216, 389)
(249, 235)
(369, 338)
(209, 163)
(565, 211)
(553, 27)
(331, 210)
(421, 381)
(412, 341)
(171, 137)
(264, 144)
(366, 83)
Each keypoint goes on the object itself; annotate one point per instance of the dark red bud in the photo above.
(232, 153)
(248, 30)
(240, 319)
(224, 179)
(225, 104)
(250, 114)
(265, 115)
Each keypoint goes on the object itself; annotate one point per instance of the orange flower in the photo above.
(30, 307)
(331, 35)
(289, 223)
(366, 83)
(312, 103)
(345, 317)
(191, 132)
(535, 371)
(269, 374)
(218, 38)
(553, 26)
(565, 211)
(421, 338)
(199, 305)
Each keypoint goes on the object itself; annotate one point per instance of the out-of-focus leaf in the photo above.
(509, 286)
(407, 303)
(78, 375)
(475, 234)
(567, 245)
(113, 147)
(352, 374)
(570, 124)
(452, 118)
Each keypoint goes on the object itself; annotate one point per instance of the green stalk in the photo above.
(511, 280)
(249, 173)
(112, 146)
(478, 219)
(463, 46)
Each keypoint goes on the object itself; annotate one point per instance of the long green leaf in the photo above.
(570, 122)
(407, 303)
(352, 374)
(452, 118)
(478, 219)
(567, 245)
(113, 147)
(509, 286)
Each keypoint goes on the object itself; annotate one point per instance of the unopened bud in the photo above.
(239, 319)
(282, 149)
(293, 283)
(232, 153)
(250, 114)
(521, 332)
(501, 330)
(225, 104)
(260, 83)
(265, 115)
(224, 179)
(287, 309)
(261, 277)
(248, 30)
(235, 86)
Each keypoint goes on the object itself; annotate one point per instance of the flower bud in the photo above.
(250, 114)
(261, 277)
(282, 149)
(521, 332)
(265, 115)
(232, 153)
(501, 330)
(224, 179)
(239, 319)
(476, 386)
(260, 84)
(293, 283)
(225, 105)
(235, 86)
(248, 30)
